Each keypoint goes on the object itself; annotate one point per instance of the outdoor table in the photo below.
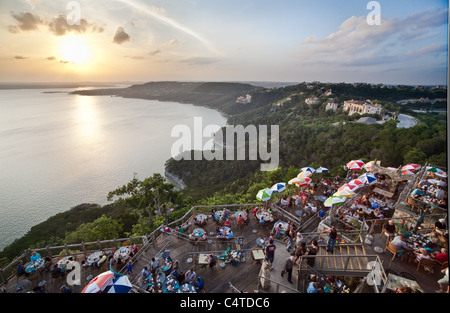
(160, 278)
(218, 215)
(170, 285)
(284, 226)
(94, 257)
(395, 282)
(167, 266)
(437, 182)
(198, 232)
(186, 288)
(123, 253)
(224, 229)
(35, 266)
(201, 217)
(258, 255)
(65, 261)
(242, 213)
(262, 242)
(264, 214)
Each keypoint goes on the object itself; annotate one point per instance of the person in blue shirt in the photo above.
(199, 284)
(312, 287)
(418, 192)
(230, 234)
(34, 257)
(322, 213)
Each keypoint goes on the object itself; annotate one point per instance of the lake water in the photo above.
(59, 150)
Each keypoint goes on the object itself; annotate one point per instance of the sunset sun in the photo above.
(75, 50)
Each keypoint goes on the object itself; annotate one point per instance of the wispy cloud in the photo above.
(357, 43)
(19, 57)
(158, 14)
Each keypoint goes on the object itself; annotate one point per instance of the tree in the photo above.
(148, 195)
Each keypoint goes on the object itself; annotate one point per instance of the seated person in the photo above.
(401, 228)
(432, 237)
(322, 213)
(389, 229)
(440, 256)
(34, 257)
(240, 220)
(421, 254)
(229, 234)
(227, 223)
(199, 284)
(21, 269)
(440, 225)
(400, 243)
(56, 271)
(417, 192)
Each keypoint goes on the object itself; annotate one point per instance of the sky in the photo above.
(390, 42)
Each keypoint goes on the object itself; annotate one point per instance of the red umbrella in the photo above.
(411, 167)
(303, 182)
(355, 165)
(99, 283)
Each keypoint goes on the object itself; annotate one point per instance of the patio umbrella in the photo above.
(356, 182)
(411, 167)
(99, 283)
(305, 174)
(368, 179)
(437, 182)
(295, 180)
(343, 193)
(321, 170)
(303, 182)
(355, 165)
(264, 194)
(407, 172)
(436, 171)
(308, 169)
(349, 186)
(368, 165)
(120, 284)
(278, 187)
(392, 169)
(334, 201)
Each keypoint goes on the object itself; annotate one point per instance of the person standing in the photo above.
(269, 251)
(130, 269)
(290, 237)
(288, 268)
(331, 238)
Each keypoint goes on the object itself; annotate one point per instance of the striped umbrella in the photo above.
(411, 167)
(392, 168)
(436, 171)
(120, 284)
(305, 174)
(334, 201)
(355, 165)
(303, 182)
(264, 194)
(368, 179)
(407, 172)
(295, 180)
(99, 283)
(356, 182)
(368, 165)
(308, 169)
(349, 186)
(278, 187)
(343, 193)
(322, 170)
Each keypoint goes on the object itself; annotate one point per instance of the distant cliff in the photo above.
(217, 95)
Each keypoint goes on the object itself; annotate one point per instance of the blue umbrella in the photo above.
(278, 187)
(307, 169)
(322, 170)
(119, 285)
(368, 179)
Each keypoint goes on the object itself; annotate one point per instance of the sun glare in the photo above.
(75, 50)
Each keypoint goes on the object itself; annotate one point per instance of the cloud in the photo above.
(59, 26)
(120, 36)
(27, 22)
(200, 60)
(19, 57)
(154, 52)
(428, 50)
(356, 43)
(52, 58)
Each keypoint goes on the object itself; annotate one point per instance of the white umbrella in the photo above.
(278, 187)
(322, 170)
(120, 284)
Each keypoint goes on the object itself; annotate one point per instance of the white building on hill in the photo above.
(362, 107)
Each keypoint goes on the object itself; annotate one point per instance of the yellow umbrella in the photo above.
(304, 174)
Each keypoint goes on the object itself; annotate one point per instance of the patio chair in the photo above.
(427, 264)
(394, 250)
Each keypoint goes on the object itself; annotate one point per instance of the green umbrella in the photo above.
(334, 200)
(264, 194)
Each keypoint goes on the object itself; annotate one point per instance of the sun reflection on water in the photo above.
(87, 120)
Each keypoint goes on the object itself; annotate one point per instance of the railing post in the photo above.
(83, 248)
(49, 252)
(67, 249)
(99, 245)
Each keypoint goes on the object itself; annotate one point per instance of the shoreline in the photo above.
(172, 178)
